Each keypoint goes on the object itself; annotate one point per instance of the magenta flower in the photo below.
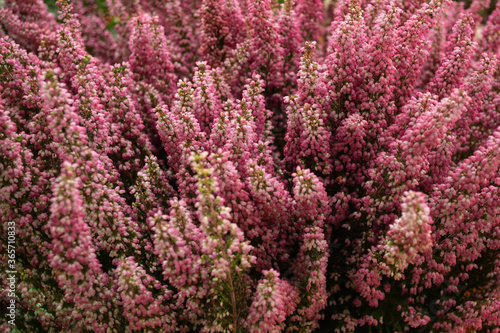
(250, 166)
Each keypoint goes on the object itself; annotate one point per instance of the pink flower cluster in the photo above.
(251, 165)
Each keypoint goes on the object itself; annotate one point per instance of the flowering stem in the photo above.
(232, 293)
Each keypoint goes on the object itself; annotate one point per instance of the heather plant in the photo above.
(250, 165)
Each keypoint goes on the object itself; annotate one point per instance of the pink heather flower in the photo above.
(478, 84)
(308, 137)
(490, 38)
(310, 16)
(411, 54)
(207, 100)
(265, 51)
(134, 143)
(151, 190)
(118, 12)
(150, 58)
(407, 162)
(231, 165)
(437, 39)
(178, 127)
(375, 93)
(225, 249)
(223, 124)
(340, 10)
(409, 236)
(17, 171)
(85, 81)
(58, 114)
(20, 80)
(310, 197)
(487, 119)
(366, 280)
(27, 22)
(27, 33)
(455, 62)
(274, 205)
(31, 11)
(415, 318)
(96, 37)
(473, 315)
(450, 14)
(440, 157)
(221, 85)
(409, 8)
(255, 103)
(272, 302)
(73, 257)
(177, 242)
(235, 131)
(456, 213)
(181, 22)
(310, 267)
(290, 36)
(236, 197)
(347, 148)
(310, 87)
(418, 105)
(313, 204)
(182, 136)
(69, 35)
(221, 22)
(144, 299)
(96, 171)
(476, 8)
(342, 63)
(472, 175)
(215, 224)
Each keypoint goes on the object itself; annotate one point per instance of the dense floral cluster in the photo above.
(251, 165)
